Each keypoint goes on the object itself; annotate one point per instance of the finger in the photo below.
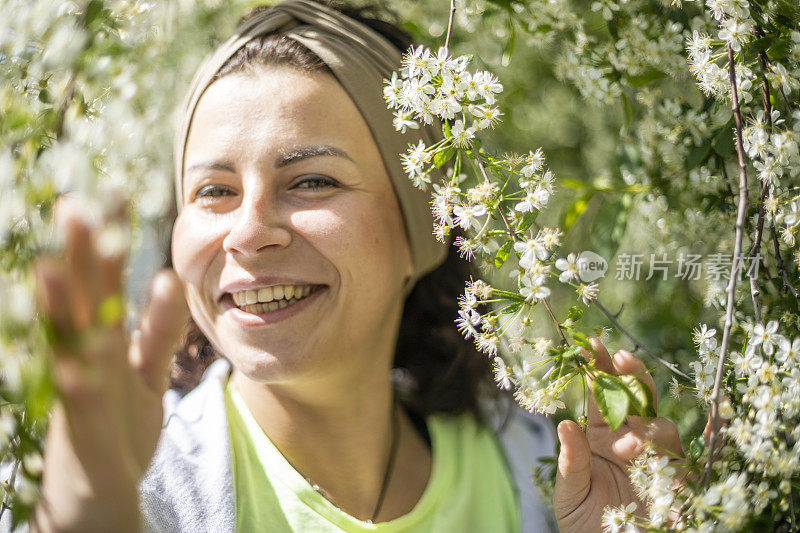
(626, 363)
(602, 361)
(661, 433)
(81, 265)
(162, 324)
(601, 358)
(573, 478)
(111, 242)
(52, 295)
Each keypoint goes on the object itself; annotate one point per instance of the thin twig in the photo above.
(449, 27)
(5, 505)
(62, 113)
(556, 322)
(737, 248)
(756, 248)
(787, 285)
(788, 102)
(514, 238)
(638, 345)
(611, 316)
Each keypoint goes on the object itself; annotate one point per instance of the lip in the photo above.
(272, 317)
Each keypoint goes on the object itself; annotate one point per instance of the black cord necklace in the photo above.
(387, 474)
(389, 464)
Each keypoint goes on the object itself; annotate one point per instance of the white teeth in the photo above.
(262, 300)
(265, 295)
(266, 307)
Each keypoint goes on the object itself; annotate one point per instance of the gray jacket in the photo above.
(188, 487)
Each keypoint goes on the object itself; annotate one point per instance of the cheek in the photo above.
(195, 242)
(362, 237)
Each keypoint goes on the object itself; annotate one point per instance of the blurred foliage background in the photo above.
(642, 158)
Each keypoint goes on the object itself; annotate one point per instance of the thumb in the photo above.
(162, 324)
(573, 478)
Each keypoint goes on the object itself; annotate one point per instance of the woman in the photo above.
(297, 242)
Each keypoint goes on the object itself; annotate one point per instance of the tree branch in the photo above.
(737, 248)
(449, 27)
(787, 285)
(638, 345)
(756, 248)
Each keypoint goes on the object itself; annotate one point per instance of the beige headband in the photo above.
(361, 59)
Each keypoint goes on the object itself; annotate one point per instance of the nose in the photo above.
(257, 225)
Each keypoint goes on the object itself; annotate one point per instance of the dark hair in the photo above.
(436, 370)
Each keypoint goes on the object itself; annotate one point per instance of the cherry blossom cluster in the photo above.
(493, 202)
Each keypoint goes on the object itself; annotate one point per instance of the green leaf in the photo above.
(571, 352)
(608, 226)
(573, 183)
(696, 447)
(628, 108)
(647, 78)
(613, 28)
(640, 395)
(611, 398)
(527, 220)
(446, 129)
(723, 140)
(760, 44)
(581, 339)
(93, 11)
(780, 48)
(508, 49)
(502, 254)
(575, 312)
(698, 155)
(571, 215)
(441, 157)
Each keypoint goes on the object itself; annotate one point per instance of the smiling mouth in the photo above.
(268, 299)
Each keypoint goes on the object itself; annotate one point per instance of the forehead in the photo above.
(273, 109)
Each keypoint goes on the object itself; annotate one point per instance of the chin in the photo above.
(266, 367)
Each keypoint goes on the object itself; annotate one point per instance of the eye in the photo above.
(212, 191)
(316, 181)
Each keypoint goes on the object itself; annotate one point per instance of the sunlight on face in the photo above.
(285, 186)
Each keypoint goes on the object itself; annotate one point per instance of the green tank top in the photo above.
(469, 488)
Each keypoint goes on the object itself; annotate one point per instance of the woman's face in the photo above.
(285, 194)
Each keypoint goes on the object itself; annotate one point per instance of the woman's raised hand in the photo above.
(593, 467)
(104, 431)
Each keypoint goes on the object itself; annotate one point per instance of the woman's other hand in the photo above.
(103, 433)
(593, 467)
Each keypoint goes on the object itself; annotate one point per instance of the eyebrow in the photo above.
(212, 165)
(285, 159)
(308, 152)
